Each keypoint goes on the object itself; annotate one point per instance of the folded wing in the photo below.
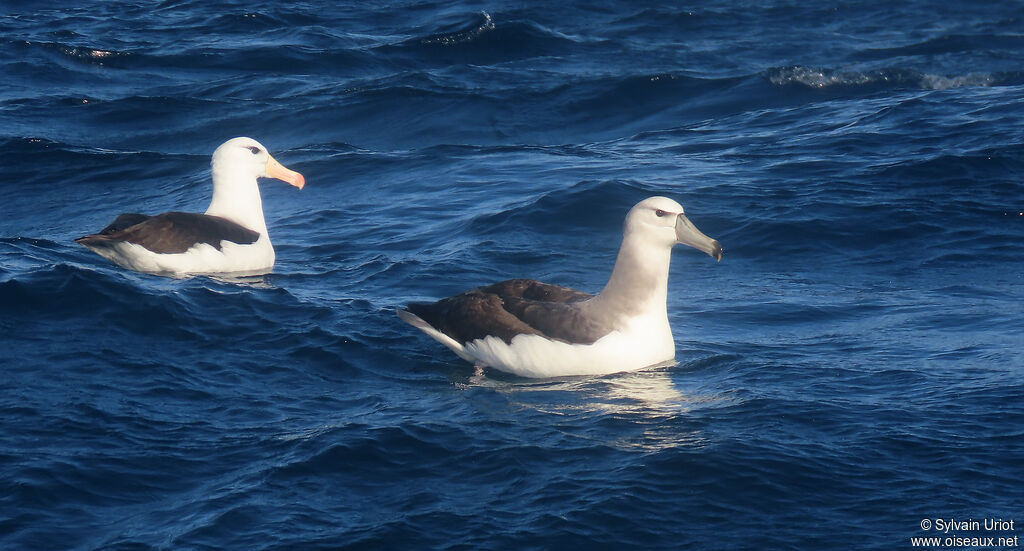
(171, 232)
(514, 307)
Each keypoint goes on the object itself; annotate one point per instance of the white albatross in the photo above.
(231, 237)
(535, 329)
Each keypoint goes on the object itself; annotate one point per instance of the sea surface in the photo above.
(850, 376)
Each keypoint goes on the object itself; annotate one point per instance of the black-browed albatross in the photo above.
(535, 329)
(231, 237)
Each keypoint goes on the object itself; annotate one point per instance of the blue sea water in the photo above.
(851, 369)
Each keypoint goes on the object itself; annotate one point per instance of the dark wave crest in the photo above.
(481, 40)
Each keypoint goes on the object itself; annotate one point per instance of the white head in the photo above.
(662, 220)
(237, 163)
(247, 159)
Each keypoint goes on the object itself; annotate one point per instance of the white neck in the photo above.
(236, 196)
(639, 282)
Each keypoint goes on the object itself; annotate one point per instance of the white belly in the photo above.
(257, 257)
(642, 343)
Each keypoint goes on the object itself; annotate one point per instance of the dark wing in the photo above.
(470, 316)
(172, 232)
(513, 307)
(557, 320)
(531, 289)
(124, 222)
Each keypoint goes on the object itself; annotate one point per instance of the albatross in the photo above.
(231, 237)
(534, 329)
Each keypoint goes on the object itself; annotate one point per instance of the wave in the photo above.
(83, 54)
(479, 39)
(949, 44)
(45, 289)
(958, 209)
(593, 107)
(93, 297)
(589, 204)
(90, 174)
(186, 61)
(882, 79)
(460, 36)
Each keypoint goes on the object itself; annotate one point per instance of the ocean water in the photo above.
(850, 376)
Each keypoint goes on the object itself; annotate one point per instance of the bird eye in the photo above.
(255, 150)
(660, 213)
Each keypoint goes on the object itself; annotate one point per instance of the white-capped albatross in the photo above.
(231, 237)
(535, 329)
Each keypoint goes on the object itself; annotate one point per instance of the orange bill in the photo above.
(277, 170)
